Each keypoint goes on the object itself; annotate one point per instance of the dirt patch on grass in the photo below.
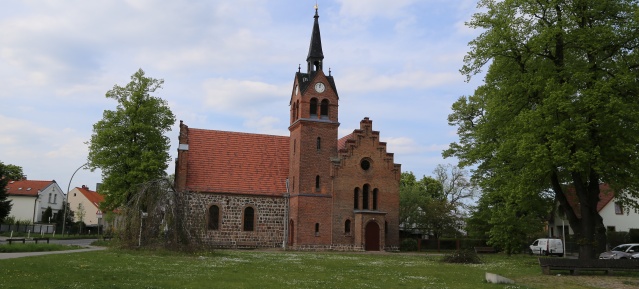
(568, 281)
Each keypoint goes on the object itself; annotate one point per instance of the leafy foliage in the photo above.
(5, 203)
(46, 216)
(408, 245)
(129, 144)
(462, 256)
(423, 206)
(558, 106)
(13, 172)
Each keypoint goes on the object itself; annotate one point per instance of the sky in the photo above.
(227, 65)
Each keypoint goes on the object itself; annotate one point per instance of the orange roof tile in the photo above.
(341, 143)
(606, 194)
(27, 187)
(234, 162)
(92, 196)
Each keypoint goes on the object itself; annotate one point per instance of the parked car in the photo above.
(547, 247)
(623, 251)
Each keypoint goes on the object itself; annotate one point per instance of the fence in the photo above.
(33, 229)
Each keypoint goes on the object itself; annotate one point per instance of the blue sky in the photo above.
(227, 65)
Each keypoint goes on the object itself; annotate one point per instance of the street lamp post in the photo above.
(66, 198)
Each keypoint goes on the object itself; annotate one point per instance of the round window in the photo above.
(365, 164)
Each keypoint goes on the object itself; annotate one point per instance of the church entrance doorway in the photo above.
(372, 236)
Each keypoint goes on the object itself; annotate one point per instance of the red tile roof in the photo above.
(341, 143)
(27, 187)
(92, 196)
(606, 194)
(235, 162)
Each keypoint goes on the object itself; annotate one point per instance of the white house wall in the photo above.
(624, 222)
(53, 197)
(23, 207)
(90, 217)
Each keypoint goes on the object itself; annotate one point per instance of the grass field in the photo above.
(273, 269)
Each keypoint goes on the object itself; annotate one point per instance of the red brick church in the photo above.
(306, 191)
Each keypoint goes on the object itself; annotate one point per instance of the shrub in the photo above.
(408, 245)
(462, 256)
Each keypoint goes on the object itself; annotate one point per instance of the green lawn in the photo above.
(258, 269)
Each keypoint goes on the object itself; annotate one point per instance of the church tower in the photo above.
(313, 143)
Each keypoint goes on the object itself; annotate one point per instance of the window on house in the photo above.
(319, 143)
(316, 229)
(317, 183)
(313, 107)
(49, 197)
(347, 227)
(618, 209)
(249, 219)
(375, 199)
(55, 199)
(324, 109)
(356, 199)
(214, 218)
(385, 228)
(365, 198)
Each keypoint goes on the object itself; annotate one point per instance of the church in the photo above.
(307, 191)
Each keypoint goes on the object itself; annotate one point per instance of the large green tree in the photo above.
(129, 144)
(558, 107)
(13, 172)
(5, 204)
(424, 207)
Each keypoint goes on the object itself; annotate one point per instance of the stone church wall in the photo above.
(268, 227)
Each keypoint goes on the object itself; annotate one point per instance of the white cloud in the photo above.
(374, 8)
(364, 80)
(408, 146)
(242, 97)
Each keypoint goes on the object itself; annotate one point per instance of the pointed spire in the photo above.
(315, 54)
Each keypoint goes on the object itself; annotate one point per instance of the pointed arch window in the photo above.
(313, 107)
(356, 199)
(365, 197)
(297, 110)
(214, 217)
(249, 219)
(375, 199)
(347, 227)
(324, 109)
(316, 229)
(317, 183)
(319, 143)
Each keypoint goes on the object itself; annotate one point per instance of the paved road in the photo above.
(80, 242)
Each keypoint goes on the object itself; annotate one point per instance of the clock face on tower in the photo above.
(319, 87)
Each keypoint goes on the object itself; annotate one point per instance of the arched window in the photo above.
(356, 199)
(347, 227)
(297, 110)
(319, 143)
(214, 218)
(365, 198)
(313, 107)
(316, 229)
(249, 219)
(375, 199)
(317, 183)
(324, 109)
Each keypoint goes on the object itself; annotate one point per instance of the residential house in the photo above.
(615, 216)
(85, 202)
(31, 198)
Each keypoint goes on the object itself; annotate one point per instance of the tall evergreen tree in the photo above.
(5, 203)
(558, 107)
(129, 144)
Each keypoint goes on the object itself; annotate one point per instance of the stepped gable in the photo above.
(350, 142)
(235, 162)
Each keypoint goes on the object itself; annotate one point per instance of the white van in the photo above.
(547, 247)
